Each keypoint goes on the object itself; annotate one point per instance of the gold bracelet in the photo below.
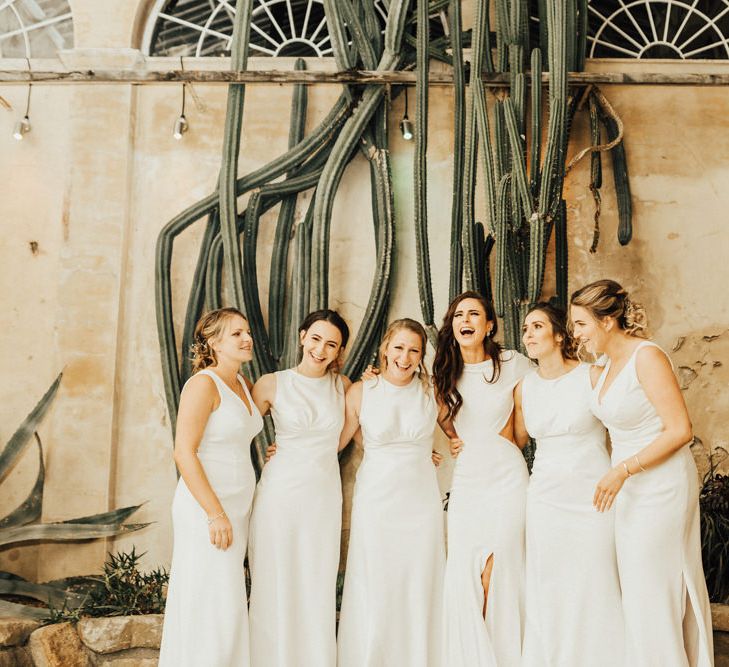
(627, 470)
(637, 460)
(217, 516)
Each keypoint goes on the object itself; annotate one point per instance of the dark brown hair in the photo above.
(558, 319)
(210, 325)
(448, 362)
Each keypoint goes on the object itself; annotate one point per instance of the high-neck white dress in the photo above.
(657, 534)
(391, 606)
(206, 616)
(296, 525)
(486, 517)
(573, 608)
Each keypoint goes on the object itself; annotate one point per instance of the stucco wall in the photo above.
(100, 175)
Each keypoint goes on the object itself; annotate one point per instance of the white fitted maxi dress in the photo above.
(296, 526)
(657, 535)
(392, 601)
(573, 608)
(486, 517)
(206, 616)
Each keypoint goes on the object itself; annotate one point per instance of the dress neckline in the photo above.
(603, 376)
(248, 403)
(559, 377)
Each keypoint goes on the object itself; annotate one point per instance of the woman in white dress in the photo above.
(206, 617)
(484, 581)
(297, 510)
(391, 606)
(653, 483)
(573, 609)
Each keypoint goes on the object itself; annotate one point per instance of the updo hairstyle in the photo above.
(211, 325)
(606, 298)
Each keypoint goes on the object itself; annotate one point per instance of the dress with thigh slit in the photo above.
(206, 615)
(392, 600)
(657, 534)
(486, 518)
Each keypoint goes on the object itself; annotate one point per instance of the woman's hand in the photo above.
(221, 531)
(456, 445)
(436, 458)
(270, 451)
(370, 373)
(607, 488)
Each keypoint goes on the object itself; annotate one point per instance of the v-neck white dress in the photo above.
(657, 534)
(296, 527)
(486, 517)
(391, 605)
(206, 616)
(573, 609)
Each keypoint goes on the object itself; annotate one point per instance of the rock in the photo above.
(58, 646)
(720, 617)
(136, 657)
(118, 633)
(15, 657)
(15, 631)
(721, 649)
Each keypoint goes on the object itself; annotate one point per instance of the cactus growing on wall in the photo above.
(521, 147)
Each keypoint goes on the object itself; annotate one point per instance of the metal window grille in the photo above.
(34, 28)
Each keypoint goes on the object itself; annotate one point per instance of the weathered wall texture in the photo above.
(100, 174)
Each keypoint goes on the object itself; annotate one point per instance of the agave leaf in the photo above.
(106, 518)
(64, 531)
(14, 610)
(20, 439)
(51, 595)
(30, 509)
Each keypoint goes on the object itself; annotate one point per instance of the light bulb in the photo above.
(22, 127)
(181, 127)
(406, 127)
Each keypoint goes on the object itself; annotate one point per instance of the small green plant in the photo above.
(714, 503)
(121, 590)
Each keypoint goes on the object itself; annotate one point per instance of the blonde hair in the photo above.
(211, 325)
(414, 327)
(606, 298)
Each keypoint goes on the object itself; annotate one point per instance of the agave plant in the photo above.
(23, 523)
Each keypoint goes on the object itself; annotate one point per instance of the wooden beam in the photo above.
(142, 77)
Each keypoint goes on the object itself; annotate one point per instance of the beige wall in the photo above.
(100, 175)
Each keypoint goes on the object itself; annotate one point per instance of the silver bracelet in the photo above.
(217, 516)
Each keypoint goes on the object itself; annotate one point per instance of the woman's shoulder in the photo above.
(515, 360)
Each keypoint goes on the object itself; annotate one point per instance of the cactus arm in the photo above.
(459, 119)
(420, 168)
(231, 147)
(196, 299)
(536, 120)
(284, 226)
(518, 166)
(560, 253)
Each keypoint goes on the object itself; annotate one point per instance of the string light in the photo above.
(22, 127)
(406, 126)
(181, 124)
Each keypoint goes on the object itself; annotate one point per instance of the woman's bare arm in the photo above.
(353, 403)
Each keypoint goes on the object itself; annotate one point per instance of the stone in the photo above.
(117, 633)
(720, 617)
(58, 646)
(136, 657)
(15, 631)
(17, 656)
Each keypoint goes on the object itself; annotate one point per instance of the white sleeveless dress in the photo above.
(206, 616)
(296, 526)
(657, 535)
(391, 607)
(573, 608)
(486, 516)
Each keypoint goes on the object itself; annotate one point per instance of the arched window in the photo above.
(674, 29)
(34, 28)
(205, 28)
